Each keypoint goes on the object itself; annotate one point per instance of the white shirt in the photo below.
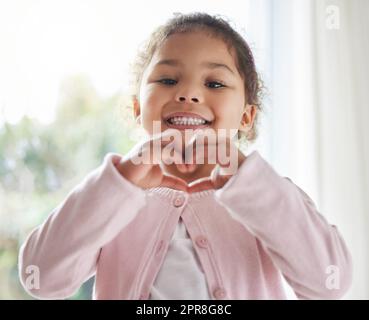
(181, 276)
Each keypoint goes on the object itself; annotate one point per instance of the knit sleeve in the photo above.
(309, 252)
(63, 251)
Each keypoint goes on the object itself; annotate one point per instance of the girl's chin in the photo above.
(186, 168)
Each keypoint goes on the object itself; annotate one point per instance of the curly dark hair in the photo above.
(215, 26)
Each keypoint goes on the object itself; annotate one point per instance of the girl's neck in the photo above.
(201, 171)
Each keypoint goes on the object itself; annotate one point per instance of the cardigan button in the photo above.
(202, 242)
(179, 201)
(219, 293)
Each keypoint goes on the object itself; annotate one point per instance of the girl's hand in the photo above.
(148, 174)
(228, 160)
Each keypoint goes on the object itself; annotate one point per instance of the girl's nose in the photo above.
(184, 99)
(189, 97)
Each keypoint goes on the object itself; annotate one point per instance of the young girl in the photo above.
(162, 230)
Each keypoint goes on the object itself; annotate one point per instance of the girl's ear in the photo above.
(136, 109)
(248, 118)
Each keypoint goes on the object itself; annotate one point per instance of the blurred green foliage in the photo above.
(40, 164)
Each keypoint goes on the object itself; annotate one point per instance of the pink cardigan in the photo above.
(248, 234)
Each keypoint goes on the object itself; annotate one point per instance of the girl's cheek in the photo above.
(154, 98)
(152, 105)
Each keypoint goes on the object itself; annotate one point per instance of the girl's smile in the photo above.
(186, 120)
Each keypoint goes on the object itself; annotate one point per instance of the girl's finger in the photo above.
(173, 183)
(201, 185)
(171, 142)
(218, 177)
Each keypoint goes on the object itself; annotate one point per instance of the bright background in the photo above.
(64, 91)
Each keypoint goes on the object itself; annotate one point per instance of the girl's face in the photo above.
(195, 76)
(192, 78)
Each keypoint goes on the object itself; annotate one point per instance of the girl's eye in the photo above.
(215, 84)
(210, 84)
(168, 82)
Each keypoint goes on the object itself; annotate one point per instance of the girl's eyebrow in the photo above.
(207, 64)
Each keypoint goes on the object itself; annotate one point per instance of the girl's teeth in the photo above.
(186, 121)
